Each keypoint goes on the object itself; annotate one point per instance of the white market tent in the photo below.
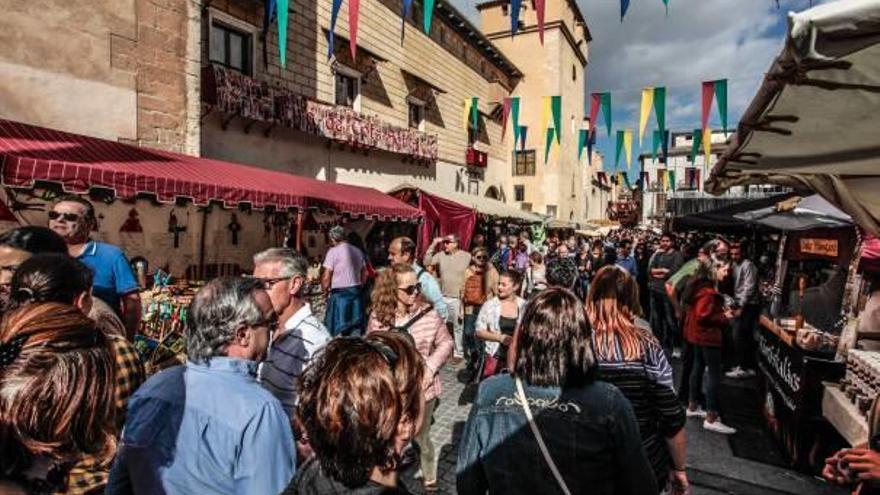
(815, 122)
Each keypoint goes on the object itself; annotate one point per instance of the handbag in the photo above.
(490, 366)
(521, 396)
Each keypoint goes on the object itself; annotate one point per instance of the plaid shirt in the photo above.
(90, 474)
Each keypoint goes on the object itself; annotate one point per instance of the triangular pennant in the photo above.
(523, 132)
(624, 6)
(665, 137)
(708, 94)
(595, 103)
(354, 9)
(269, 8)
(475, 113)
(514, 109)
(515, 6)
(666, 4)
(671, 178)
(466, 113)
(428, 11)
(404, 15)
(546, 111)
(547, 144)
(539, 11)
(583, 136)
(721, 99)
(695, 146)
(655, 144)
(556, 108)
(660, 107)
(606, 111)
(647, 103)
(331, 34)
(505, 114)
(627, 146)
(282, 6)
(618, 149)
(707, 145)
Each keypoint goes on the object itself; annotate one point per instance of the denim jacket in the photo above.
(590, 431)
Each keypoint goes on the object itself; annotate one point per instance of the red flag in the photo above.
(354, 7)
(539, 10)
(708, 95)
(505, 113)
(595, 103)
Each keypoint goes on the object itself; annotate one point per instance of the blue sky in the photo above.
(698, 40)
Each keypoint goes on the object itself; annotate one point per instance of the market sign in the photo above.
(782, 367)
(820, 247)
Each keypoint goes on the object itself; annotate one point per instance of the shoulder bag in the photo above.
(534, 426)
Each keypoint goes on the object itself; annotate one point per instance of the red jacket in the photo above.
(705, 318)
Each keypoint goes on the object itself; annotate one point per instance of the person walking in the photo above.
(665, 262)
(497, 322)
(480, 284)
(283, 274)
(73, 218)
(631, 358)
(625, 259)
(705, 319)
(345, 272)
(403, 250)
(536, 275)
(208, 426)
(747, 311)
(550, 422)
(398, 307)
(451, 264)
(643, 257)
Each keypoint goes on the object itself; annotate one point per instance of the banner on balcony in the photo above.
(600, 101)
(237, 94)
(718, 90)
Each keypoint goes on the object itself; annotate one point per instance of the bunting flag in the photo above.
(505, 113)
(600, 101)
(539, 11)
(331, 34)
(624, 6)
(647, 103)
(715, 90)
(523, 131)
(666, 4)
(466, 113)
(514, 109)
(627, 146)
(354, 9)
(269, 8)
(428, 10)
(404, 15)
(695, 147)
(619, 148)
(548, 143)
(665, 138)
(583, 136)
(707, 145)
(556, 109)
(671, 179)
(282, 7)
(708, 95)
(475, 113)
(515, 6)
(546, 111)
(660, 107)
(655, 145)
(606, 111)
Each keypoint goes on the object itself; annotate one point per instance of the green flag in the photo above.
(695, 148)
(655, 144)
(672, 180)
(429, 14)
(620, 135)
(660, 107)
(606, 111)
(556, 107)
(475, 113)
(514, 110)
(548, 144)
(582, 141)
(282, 13)
(721, 99)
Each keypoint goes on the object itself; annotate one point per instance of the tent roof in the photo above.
(29, 154)
(484, 205)
(812, 124)
(724, 218)
(812, 212)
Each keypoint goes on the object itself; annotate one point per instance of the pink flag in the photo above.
(539, 10)
(595, 102)
(505, 113)
(354, 7)
(708, 95)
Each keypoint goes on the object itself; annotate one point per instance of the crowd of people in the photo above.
(570, 342)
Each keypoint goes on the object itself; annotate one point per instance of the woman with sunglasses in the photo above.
(398, 306)
(497, 321)
(479, 284)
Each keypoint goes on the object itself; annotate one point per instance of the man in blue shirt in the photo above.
(403, 250)
(625, 258)
(208, 427)
(73, 218)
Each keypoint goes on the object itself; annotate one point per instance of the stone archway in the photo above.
(492, 192)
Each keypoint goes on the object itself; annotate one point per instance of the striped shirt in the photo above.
(648, 384)
(289, 354)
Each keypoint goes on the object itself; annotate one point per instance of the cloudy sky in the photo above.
(699, 40)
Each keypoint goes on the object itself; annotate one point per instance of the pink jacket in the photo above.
(433, 342)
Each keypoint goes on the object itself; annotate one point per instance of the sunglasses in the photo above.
(383, 350)
(67, 217)
(448, 241)
(480, 258)
(411, 289)
(268, 283)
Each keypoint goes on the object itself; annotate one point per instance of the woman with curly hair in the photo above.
(399, 307)
(57, 402)
(361, 403)
(631, 358)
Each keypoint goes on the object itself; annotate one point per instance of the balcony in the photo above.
(237, 95)
(477, 158)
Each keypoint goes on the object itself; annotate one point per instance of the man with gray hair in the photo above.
(208, 426)
(452, 263)
(283, 273)
(344, 275)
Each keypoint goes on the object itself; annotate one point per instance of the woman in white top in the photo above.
(497, 321)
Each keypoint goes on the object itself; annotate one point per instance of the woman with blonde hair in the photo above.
(57, 403)
(631, 358)
(398, 306)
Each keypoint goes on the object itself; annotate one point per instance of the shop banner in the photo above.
(782, 367)
(821, 247)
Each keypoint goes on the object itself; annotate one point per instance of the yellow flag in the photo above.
(647, 102)
(627, 146)
(466, 114)
(546, 112)
(707, 146)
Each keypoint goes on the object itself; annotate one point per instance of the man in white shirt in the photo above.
(283, 273)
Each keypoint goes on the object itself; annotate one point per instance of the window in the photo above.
(473, 187)
(519, 193)
(524, 162)
(416, 114)
(526, 207)
(231, 47)
(551, 211)
(348, 88)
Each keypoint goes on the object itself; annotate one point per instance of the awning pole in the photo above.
(202, 234)
(300, 222)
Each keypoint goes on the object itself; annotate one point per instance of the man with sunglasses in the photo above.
(452, 263)
(403, 250)
(73, 218)
(283, 274)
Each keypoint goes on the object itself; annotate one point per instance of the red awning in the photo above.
(29, 153)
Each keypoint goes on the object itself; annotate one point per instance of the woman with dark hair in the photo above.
(706, 317)
(58, 278)
(57, 378)
(631, 358)
(497, 321)
(361, 403)
(550, 421)
(479, 284)
(398, 306)
(19, 244)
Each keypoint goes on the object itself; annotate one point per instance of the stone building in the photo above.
(204, 78)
